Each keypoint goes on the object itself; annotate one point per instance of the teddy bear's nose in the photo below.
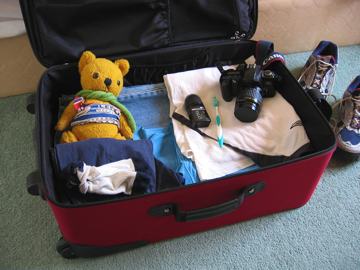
(107, 81)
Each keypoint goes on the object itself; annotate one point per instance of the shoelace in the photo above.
(325, 67)
(355, 120)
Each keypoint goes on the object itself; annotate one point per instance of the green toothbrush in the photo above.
(219, 131)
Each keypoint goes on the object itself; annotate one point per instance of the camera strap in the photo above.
(258, 159)
(183, 120)
(265, 55)
(263, 50)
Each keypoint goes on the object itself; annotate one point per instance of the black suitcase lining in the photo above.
(60, 30)
(64, 79)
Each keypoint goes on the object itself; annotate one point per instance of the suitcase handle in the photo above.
(212, 211)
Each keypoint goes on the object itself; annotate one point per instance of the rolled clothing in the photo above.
(112, 178)
(151, 174)
(97, 152)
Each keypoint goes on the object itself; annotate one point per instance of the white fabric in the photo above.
(11, 22)
(271, 134)
(111, 178)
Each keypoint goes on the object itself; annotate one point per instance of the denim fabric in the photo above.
(148, 104)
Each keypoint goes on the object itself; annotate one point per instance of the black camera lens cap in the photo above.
(193, 99)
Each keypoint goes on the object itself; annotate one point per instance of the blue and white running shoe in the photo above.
(347, 128)
(318, 75)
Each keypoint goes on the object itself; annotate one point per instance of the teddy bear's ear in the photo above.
(123, 65)
(86, 58)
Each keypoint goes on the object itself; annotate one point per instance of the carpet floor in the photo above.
(324, 234)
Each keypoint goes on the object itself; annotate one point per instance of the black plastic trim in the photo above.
(71, 251)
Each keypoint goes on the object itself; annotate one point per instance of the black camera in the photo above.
(250, 85)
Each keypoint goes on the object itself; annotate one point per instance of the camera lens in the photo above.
(248, 103)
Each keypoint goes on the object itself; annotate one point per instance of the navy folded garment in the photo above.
(97, 152)
(166, 177)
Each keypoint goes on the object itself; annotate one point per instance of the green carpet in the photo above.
(324, 234)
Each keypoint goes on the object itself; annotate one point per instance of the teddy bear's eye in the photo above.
(118, 82)
(95, 75)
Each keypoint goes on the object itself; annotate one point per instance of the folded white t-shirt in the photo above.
(277, 131)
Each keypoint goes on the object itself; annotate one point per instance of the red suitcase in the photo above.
(160, 37)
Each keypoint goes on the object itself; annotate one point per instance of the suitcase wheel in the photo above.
(65, 249)
(30, 106)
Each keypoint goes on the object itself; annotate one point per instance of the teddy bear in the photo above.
(95, 111)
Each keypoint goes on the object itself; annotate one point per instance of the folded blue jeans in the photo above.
(148, 104)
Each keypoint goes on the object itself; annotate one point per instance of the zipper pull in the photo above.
(238, 35)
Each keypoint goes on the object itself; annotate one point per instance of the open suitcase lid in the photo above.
(59, 31)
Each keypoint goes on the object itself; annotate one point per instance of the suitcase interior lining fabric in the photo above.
(149, 25)
(149, 68)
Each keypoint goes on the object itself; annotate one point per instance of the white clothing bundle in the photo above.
(277, 131)
(112, 178)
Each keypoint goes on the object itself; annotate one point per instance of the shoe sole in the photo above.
(347, 155)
